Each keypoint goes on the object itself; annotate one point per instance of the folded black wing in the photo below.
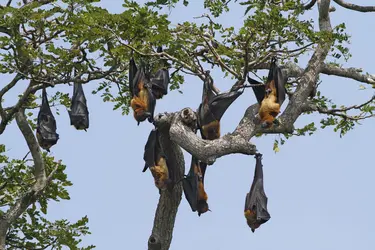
(79, 114)
(259, 91)
(190, 185)
(257, 200)
(149, 153)
(160, 81)
(132, 72)
(221, 103)
(46, 124)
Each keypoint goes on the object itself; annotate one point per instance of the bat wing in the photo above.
(280, 86)
(151, 103)
(46, 124)
(203, 167)
(139, 79)
(221, 103)
(149, 153)
(259, 91)
(257, 200)
(190, 186)
(277, 76)
(79, 114)
(161, 81)
(132, 72)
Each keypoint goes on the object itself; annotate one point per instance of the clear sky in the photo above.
(320, 188)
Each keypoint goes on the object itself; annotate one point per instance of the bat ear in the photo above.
(253, 230)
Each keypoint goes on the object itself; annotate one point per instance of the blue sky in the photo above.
(319, 187)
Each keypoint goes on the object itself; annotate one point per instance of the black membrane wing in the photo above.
(190, 186)
(221, 103)
(132, 73)
(259, 91)
(160, 81)
(139, 79)
(46, 124)
(257, 200)
(149, 153)
(79, 114)
(280, 86)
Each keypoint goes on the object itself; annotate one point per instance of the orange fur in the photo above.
(139, 103)
(269, 107)
(160, 173)
(251, 219)
(211, 131)
(202, 195)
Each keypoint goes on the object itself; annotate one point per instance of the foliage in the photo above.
(61, 42)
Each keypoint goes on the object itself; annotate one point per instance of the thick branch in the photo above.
(37, 188)
(205, 150)
(169, 200)
(354, 6)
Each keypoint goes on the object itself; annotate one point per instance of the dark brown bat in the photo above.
(256, 212)
(193, 185)
(46, 125)
(79, 114)
(271, 95)
(143, 101)
(160, 80)
(212, 108)
(156, 160)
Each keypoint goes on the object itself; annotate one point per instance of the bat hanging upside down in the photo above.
(256, 212)
(156, 160)
(79, 114)
(46, 125)
(271, 95)
(143, 101)
(193, 185)
(160, 81)
(212, 108)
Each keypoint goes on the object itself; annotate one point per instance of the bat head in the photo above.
(141, 115)
(202, 207)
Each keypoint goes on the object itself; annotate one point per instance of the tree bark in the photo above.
(169, 200)
(3, 232)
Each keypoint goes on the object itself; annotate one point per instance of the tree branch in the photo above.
(205, 150)
(342, 111)
(355, 7)
(169, 200)
(40, 178)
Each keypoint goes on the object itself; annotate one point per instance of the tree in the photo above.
(34, 31)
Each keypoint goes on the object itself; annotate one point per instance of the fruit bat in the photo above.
(143, 101)
(271, 95)
(256, 201)
(46, 125)
(193, 186)
(160, 80)
(156, 160)
(79, 114)
(212, 108)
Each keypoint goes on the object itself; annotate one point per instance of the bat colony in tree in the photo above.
(145, 89)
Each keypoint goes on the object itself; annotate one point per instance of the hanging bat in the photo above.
(193, 185)
(256, 201)
(79, 114)
(271, 95)
(46, 125)
(156, 160)
(212, 108)
(160, 80)
(143, 101)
